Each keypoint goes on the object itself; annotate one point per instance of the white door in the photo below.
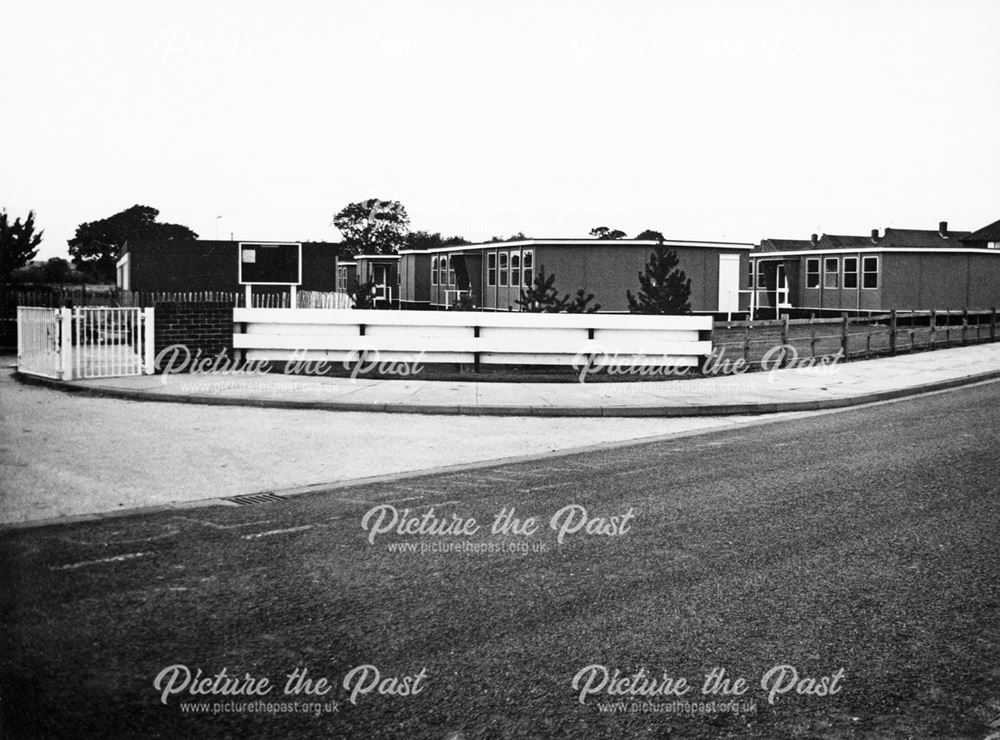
(781, 282)
(729, 283)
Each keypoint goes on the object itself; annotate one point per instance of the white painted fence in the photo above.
(40, 334)
(470, 337)
(74, 343)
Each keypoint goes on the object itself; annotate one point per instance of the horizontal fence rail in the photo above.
(775, 342)
(471, 338)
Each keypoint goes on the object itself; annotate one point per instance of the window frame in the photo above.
(451, 271)
(491, 270)
(845, 273)
(434, 270)
(865, 272)
(813, 276)
(831, 276)
(528, 267)
(503, 264)
(515, 270)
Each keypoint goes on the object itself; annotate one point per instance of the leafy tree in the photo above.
(54, 270)
(373, 226)
(580, 303)
(663, 288)
(96, 246)
(425, 240)
(650, 235)
(603, 232)
(18, 243)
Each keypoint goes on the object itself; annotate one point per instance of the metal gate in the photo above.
(78, 343)
(39, 341)
(110, 342)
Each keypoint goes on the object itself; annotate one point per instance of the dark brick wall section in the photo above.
(204, 327)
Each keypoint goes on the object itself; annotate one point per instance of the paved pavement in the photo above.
(68, 455)
(795, 389)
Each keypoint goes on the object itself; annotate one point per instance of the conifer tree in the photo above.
(663, 287)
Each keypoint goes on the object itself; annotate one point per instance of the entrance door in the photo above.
(729, 283)
(380, 276)
(781, 289)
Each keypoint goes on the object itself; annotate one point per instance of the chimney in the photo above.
(943, 229)
(815, 239)
(874, 236)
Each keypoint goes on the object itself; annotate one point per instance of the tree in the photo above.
(542, 297)
(603, 232)
(663, 288)
(54, 270)
(96, 246)
(18, 243)
(373, 226)
(650, 235)
(518, 237)
(580, 303)
(423, 240)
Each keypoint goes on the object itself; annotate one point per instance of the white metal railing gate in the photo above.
(111, 342)
(72, 343)
(40, 341)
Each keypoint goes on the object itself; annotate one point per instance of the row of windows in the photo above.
(442, 271)
(836, 272)
(839, 272)
(504, 269)
(509, 269)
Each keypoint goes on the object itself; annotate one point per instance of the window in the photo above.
(434, 270)
(850, 272)
(831, 272)
(515, 270)
(750, 273)
(503, 268)
(529, 268)
(491, 269)
(451, 271)
(812, 272)
(869, 272)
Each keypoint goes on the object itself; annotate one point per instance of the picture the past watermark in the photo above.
(179, 360)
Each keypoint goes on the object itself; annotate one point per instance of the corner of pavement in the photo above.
(805, 388)
(185, 456)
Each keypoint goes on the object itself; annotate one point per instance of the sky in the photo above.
(710, 120)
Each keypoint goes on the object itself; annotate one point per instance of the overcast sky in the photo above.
(708, 120)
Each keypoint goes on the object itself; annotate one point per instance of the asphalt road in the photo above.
(858, 547)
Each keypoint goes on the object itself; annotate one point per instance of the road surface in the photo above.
(845, 566)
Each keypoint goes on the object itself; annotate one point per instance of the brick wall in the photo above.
(204, 327)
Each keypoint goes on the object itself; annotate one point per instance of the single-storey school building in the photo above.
(492, 274)
(903, 269)
(207, 265)
(382, 271)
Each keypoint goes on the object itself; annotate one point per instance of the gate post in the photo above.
(148, 340)
(64, 316)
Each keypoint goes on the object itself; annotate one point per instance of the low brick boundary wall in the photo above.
(203, 327)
